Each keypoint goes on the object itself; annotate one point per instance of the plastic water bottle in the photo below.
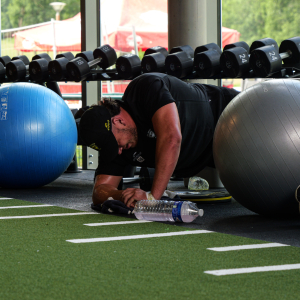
(165, 210)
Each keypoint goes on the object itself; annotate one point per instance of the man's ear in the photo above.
(118, 121)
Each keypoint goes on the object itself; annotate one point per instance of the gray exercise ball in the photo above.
(256, 147)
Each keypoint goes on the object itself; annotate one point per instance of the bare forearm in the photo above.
(167, 154)
(167, 128)
(103, 191)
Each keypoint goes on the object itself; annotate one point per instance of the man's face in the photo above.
(126, 138)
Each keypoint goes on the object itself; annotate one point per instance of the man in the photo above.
(162, 122)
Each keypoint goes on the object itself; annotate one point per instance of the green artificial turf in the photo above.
(36, 261)
(15, 202)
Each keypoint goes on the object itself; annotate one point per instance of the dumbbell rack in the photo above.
(107, 57)
(287, 70)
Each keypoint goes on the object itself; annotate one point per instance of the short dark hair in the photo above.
(111, 104)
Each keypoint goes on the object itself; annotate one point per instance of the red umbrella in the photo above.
(149, 18)
(67, 36)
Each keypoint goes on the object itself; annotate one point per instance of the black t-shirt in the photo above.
(198, 115)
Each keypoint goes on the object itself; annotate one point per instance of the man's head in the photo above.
(108, 128)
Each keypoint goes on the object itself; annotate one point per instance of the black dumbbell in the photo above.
(129, 66)
(87, 56)
(3, 61)
(207, 60)
(154, 59)
(2, 72)
(268, 60)
(17, 68)
(38, 67)
(80, 68)
(236, 45)
(179, 62)
(235, 61)
(57, 68)
(145, 178)
(263, 42)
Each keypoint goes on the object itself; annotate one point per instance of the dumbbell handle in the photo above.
(94, 62)
(135, 179)
(132, 179)
(285, 55)
(274, 54)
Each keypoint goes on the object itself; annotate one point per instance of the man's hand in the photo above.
(131, 195)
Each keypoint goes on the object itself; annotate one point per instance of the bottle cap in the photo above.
(200, 212)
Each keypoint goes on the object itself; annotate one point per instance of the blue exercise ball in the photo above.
(257, 147)
(38, 136)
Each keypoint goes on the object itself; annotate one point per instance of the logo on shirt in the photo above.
(107, 125)
(138, 157)
(94, 146)
(151, 134)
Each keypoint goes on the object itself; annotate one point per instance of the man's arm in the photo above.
(106, 186)
(167, 128)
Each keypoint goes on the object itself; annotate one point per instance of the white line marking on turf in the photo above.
(245, 247)
(25, 206)
(117, 223)
(134, 237)
(52, 215)
(6, 198)
(253, 270)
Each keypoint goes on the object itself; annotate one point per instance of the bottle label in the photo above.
(176, 211)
